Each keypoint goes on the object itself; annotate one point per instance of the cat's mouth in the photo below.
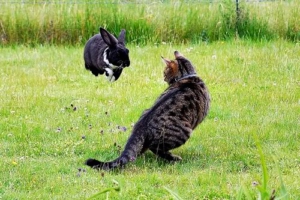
(168, 79)
(165, 77)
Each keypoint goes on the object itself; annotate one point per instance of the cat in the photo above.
(168, 124)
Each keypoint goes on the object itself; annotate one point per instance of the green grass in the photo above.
(146, 23)
(251, 134)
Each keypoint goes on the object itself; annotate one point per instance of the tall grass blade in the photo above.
(263, 186)
(175, 195)
(282, 191)
(244, 193)
(116, 188)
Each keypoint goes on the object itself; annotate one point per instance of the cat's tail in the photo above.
(134, 147)
(117, 163)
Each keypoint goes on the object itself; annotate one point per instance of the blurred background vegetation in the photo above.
(72, 22)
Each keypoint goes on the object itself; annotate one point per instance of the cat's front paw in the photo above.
(175, 158)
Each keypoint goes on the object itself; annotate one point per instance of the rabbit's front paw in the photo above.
(109, 75)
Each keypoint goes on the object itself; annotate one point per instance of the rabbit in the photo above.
(104, 53)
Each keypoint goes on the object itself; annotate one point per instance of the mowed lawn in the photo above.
(54, 115)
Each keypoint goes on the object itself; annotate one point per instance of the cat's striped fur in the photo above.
(168, 124)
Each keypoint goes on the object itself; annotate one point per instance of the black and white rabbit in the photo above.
(104, 53)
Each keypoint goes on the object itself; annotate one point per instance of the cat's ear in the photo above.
(178, 55)
(166, 61)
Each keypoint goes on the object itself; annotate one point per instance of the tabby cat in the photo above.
(168, 124)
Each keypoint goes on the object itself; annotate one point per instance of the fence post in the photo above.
(237, 11)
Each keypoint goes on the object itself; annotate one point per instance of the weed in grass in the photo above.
(262, 187)
(115, 188)
(175, 196)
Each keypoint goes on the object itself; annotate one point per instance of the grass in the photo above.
(55, 114)
(147, 23)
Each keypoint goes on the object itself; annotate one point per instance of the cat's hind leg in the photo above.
(165, 154)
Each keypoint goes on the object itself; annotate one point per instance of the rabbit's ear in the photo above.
(108, 38)
(121, 38)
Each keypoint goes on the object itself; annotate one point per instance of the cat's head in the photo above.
(177, 69)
